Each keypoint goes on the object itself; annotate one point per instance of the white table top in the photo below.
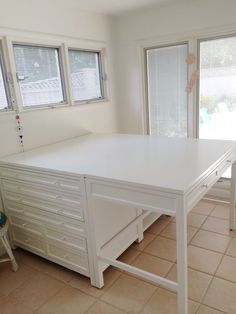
(166, 163)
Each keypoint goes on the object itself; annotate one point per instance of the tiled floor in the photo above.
(43, 287)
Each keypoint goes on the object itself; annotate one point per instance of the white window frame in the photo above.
(63, 44)
(44, 44)
(6, 79)
(101, 76)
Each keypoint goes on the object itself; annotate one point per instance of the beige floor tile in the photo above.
(159, 225)
(212, 241)
(204, 208)
(37, 290)
(207, 310)
(221, 211)
(103, 308)
(10, 280)
(165, 302)
(129, 255)
(203, 260)
(153, 264)
(148, 237)
(163, 248)
(221, 296)
(227, 269)
(195, 220)
(198, 282)
(170, 231)
(69, 301)
(83, 283)
(129, 294)
(9, 305)
(43, 265)
(232, 248)
(217, 225)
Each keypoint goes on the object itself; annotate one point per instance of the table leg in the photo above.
(232, 197)
(182, 263)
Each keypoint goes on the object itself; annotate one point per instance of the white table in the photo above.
(148, 174)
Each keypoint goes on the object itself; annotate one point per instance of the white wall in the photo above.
(58, 21)
(192, 17)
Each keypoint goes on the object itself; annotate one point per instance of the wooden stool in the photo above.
(3, 238)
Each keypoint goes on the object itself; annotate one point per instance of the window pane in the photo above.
(85, 75)
(217, 112)
(3, 97)
(167, 80)
(39, 76)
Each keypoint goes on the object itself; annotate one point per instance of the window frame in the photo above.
(5, 80)
(100, 53)
(45, 45)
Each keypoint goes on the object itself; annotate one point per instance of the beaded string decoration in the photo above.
(20, 130)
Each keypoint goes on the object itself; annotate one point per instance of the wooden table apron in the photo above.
(148, 199)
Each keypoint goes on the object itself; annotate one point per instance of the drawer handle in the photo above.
(217, 172)
(205, 186)
(24, 225)
(66, 256)
(27, 241)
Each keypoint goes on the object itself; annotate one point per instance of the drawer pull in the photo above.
(27, 241)
(24, 225)
(66, 256)
(205, 186)
(217, 173)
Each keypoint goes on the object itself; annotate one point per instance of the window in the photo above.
(4, 103)
(85, 72)
(39, 75)
(167, 74)
(217, 92)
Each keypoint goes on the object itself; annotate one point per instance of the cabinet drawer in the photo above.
(42, 179)
(66, 239)
(49, 219)
(71, 200)
(26, 224)
(53, 207)
(28, 240)
(69, 257)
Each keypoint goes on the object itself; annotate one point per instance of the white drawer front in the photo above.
(45, 194)
(49, 219)
(53, 207)
(42, 179)
(66, 239)
(26, 224)
(69, 257)
(28, 239)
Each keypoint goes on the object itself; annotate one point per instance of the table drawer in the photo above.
(49, 219)
(67, 239)
(201, 189)
(28, 240)
(42, 179)
(26, 224)
(69, 257)
(53, 207)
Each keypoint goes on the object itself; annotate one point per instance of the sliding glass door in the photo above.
(167, 75)
(217, 89)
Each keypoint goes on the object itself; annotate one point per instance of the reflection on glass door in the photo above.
(217, 89)
(167, 74)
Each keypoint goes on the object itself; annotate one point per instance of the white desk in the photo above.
(121, 174)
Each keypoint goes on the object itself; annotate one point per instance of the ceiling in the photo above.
(115, 7)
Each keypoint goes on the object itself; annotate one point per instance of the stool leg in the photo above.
(9, 252)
